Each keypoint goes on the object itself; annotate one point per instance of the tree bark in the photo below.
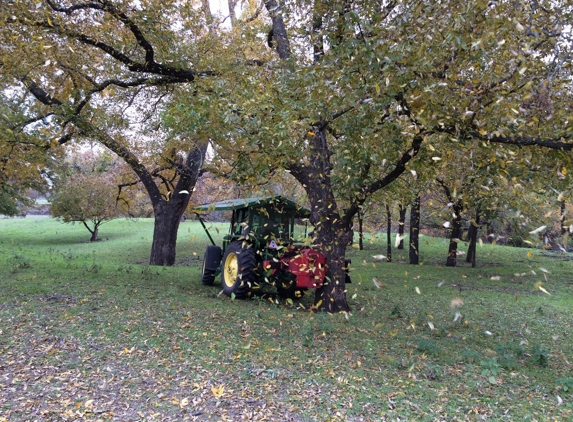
(94, 231)
(451, 261)
(473, 234)
(360, 231)
(562, 210)
(401, 222)
(333, 232)
(388, 234)
(415, 232)
(168, 211)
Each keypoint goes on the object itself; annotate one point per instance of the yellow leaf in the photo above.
(418, 290)
(184, 402)
(318, 303)
(218, 391)
(529, 254)
(377, 89)
(564, 171)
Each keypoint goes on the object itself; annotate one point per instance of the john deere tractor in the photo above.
(260, 248)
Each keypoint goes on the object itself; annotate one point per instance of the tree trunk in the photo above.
(166, 224)
(168, 211)
(456, 235)
(472, 235)
(94, 235)
(562, 217)
(388, 234)
(401, 222)
(360, 231)
(93, 231)
(333, 232)
(415, 231)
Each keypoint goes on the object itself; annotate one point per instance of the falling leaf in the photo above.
(457, 316)
(379, 257)
(539, 286)
(537, 230)
(418, 290)
(543, 270)
(529, 254)
(446, 224)
(488, 333)
(519, 27)
(495, 278)
(431, 325)
(456, 302)
(376, 282)
(441, 283)
(184, 192)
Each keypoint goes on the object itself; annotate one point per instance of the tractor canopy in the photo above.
(277, 203)
(260, 217)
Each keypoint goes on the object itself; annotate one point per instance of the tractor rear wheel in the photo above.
(211, 261)
(238, 271)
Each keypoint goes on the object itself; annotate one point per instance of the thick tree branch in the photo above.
(39, 93)
(551, 143)
(375, 186)
(279, 30)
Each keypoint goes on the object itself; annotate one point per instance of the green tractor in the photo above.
(261, 248)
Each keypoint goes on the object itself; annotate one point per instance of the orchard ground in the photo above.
(89, 332)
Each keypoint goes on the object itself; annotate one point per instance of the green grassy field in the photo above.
(89, 332)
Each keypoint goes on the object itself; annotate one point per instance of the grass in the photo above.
(88, 331)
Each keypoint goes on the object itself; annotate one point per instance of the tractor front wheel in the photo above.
(211, 262)
(238, 270)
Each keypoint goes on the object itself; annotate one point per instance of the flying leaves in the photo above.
(538, 230)
(539, 286)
